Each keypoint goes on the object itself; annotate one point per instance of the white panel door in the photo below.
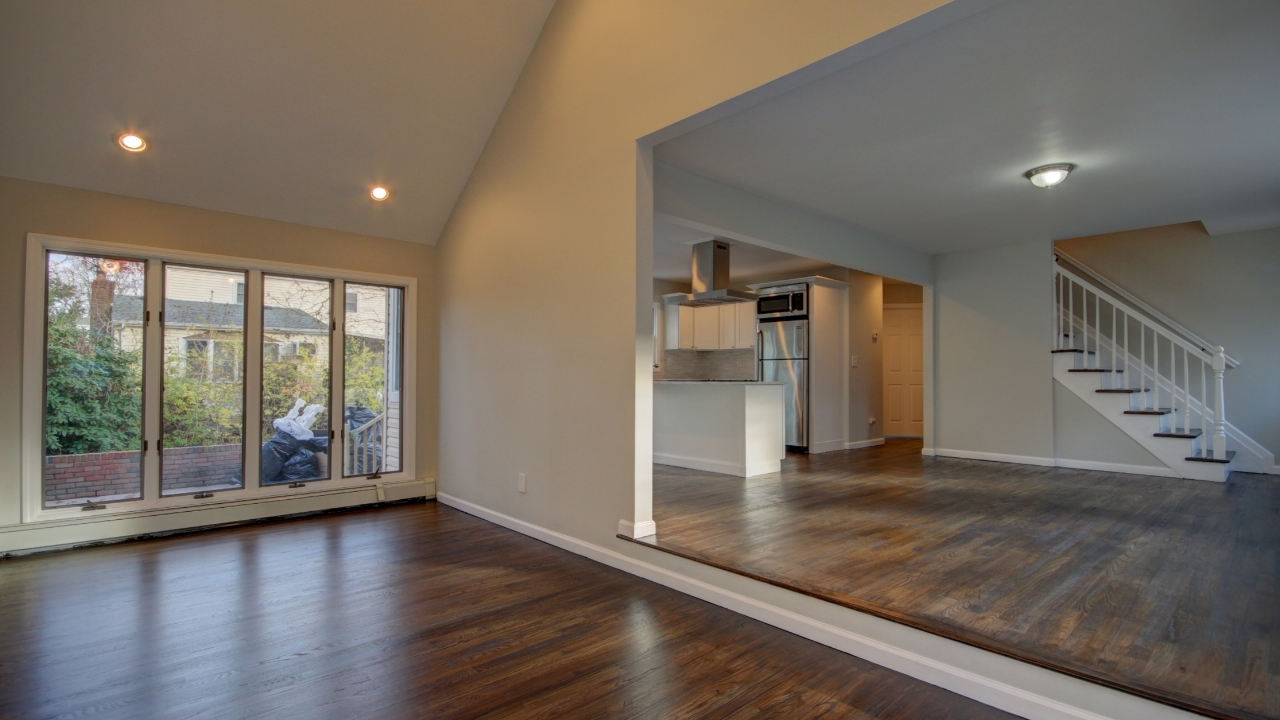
(706, 327)
(903, 372)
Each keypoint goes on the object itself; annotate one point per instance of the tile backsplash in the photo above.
(708, 365)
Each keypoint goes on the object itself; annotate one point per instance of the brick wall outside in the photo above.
(70, 477)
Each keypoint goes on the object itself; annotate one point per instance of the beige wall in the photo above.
(546, 358)
(994, 372)
(866, 382)
(35, 207)
(1224, 288)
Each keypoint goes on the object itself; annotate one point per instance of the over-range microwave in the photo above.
(783, 301)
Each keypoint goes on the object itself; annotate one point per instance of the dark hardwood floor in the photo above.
(1165, 588)
(415, 611)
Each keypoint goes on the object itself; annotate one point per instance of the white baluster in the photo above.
(1113, 345)
(1204, 405)
(1071, 312)
(1097, 330)
(1127, 382)
(1186, 389)
(1142, 361)
(1155, 367)
(1219, 403)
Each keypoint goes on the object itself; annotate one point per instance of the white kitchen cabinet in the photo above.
(715, 327)
(706, 328)
(678, 320)
(744, 317)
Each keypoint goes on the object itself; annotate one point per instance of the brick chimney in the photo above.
(102, 294)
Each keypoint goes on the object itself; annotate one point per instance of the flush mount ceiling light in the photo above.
(131, 142)
(1046, 176)
(379, 194)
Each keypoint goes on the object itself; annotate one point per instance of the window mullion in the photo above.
(337, 376)
(152, 377)
(253, 381)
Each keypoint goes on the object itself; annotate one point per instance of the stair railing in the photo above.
(1143, 354)
(364, 447)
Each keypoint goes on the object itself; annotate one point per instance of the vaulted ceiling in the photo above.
(289, 110)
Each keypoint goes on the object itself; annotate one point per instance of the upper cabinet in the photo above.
(715, 327)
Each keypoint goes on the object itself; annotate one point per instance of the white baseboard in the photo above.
(1160, 471)
(1150, 470)
(702, 464)
(859, 444)
(996, 457)
(981, 677)
(637, 530)
(827, 446)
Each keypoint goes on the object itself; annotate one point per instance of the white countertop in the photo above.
(717, 382)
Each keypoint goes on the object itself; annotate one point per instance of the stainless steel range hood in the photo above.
(711, 277)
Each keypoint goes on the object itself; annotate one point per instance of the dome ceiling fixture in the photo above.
(1046, 176)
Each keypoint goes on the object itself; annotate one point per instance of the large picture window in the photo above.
(93, 379)
(163, 379)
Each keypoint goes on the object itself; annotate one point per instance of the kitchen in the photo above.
(742, 377)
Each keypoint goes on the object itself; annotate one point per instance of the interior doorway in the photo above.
(903, 370)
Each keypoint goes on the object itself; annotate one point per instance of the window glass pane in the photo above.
(202, 421)
(371, 375)
(295, 379)
(93, 379)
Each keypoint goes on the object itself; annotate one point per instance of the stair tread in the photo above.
(1123, 390)
(1093, 370)
(1207, 456)
(1070, 350)
(1149, 411)
(1181, 433)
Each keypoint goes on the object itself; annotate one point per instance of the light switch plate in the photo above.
(521, 485)
(853, 361)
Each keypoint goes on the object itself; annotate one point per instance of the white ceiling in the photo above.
(673, 257)
(290, 110)
(1171, 109)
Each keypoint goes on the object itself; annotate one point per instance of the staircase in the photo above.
(1159, 383)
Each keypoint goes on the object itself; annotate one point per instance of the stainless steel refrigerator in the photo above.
(784, 358)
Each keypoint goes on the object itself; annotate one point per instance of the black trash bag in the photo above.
(319, 443)
(275, 453)
(302, 466)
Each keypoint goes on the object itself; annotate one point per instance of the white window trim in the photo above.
(33, 352)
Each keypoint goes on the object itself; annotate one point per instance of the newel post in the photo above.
(1219, 400)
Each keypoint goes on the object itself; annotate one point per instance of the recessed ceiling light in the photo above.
(1046, 176)
(379, 193)
(132, 142)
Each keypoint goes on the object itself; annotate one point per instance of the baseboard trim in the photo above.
(995, 457)
(1055, 462)
(826, 446)
(859, 444)
(636, 530)
(985, 688)
(1117, 468)
(702, 464)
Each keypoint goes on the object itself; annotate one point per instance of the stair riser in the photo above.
(1172, 452)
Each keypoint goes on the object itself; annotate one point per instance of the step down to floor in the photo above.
(1149, 411)
(1207, 456)
(1123, 390)
(1181, 433)
(1091, 352)
(1093, 370)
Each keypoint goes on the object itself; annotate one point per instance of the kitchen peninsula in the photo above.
(727, 427)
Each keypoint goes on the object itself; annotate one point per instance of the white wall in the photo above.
(994, 371)
(1082, 434)
(1223, 288)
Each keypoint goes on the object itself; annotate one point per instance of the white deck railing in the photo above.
(365, 446)
(1140, 353)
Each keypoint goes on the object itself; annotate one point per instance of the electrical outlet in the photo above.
(871, 421)
(521, 484)
(853, 361)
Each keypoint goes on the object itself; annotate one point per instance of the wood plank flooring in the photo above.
(415, 611)
(1166, 588)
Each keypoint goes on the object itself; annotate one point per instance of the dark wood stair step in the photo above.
(1181, 433)
(1149, 411)
(1123, 390)
(1072, 351)
(1097, 370)
(1207, 456)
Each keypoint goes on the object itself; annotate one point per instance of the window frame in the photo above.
(33, 387)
